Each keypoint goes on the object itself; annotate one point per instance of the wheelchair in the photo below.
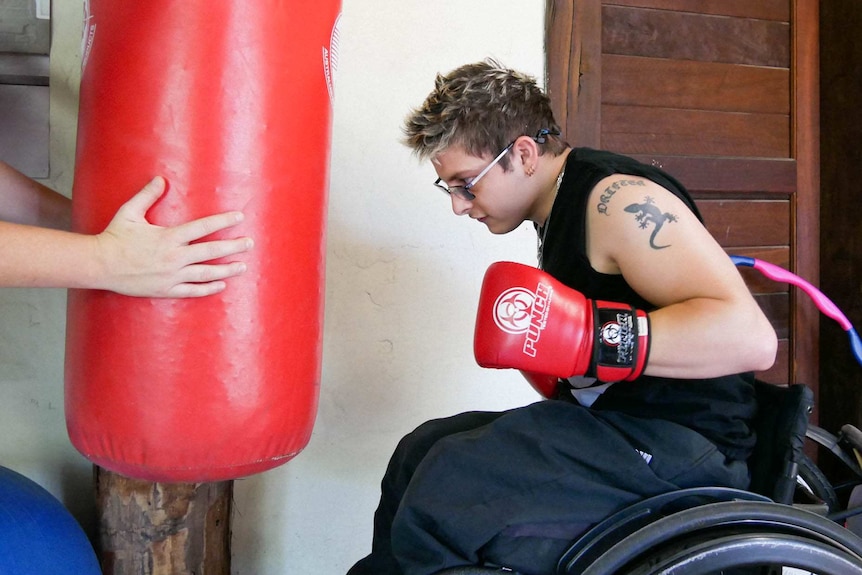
(791, 520)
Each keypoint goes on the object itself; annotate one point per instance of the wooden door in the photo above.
(841, 227)
(723, 95)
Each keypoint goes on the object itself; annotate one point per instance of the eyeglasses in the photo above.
(464, 192)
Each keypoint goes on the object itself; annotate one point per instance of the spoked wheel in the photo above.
(604, 536)
(751, 553)
(688, 538)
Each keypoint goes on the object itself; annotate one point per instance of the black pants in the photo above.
(515, 488)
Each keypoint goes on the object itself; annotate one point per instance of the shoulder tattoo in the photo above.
(648, 213)
(609, 192)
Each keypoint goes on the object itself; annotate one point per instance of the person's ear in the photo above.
(526, 152)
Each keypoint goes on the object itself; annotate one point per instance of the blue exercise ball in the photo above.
(38, 536)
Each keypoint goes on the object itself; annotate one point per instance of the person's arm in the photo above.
(131, 256)
(707, 323)
(26, 201)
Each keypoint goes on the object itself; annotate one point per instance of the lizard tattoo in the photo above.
(647, 213)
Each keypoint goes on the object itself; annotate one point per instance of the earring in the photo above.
(531, 170)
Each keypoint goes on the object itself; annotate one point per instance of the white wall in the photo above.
(402, 282)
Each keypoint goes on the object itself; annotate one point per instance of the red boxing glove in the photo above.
(545, 384)
(530, 321)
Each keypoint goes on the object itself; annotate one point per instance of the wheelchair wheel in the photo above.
(737, 519)
(609, 532)
(812, 486)
(476, 570)
(750, 553)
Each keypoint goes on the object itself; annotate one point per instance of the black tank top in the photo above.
(720, 408)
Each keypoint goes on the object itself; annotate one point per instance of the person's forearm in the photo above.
(26, 201)
(708, 338)
(131, 256)
(40, 257)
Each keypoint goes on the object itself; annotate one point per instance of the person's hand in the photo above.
(529, 320)
(138, 258)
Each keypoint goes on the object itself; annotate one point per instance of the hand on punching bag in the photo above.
(136, 258)
(130, 257)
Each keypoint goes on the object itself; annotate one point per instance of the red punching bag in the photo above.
(230, 101)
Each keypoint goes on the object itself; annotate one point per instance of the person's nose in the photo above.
(459, 205)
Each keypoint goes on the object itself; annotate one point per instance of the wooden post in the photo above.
(150, 528)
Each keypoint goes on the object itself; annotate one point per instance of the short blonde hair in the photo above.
(482, 107)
